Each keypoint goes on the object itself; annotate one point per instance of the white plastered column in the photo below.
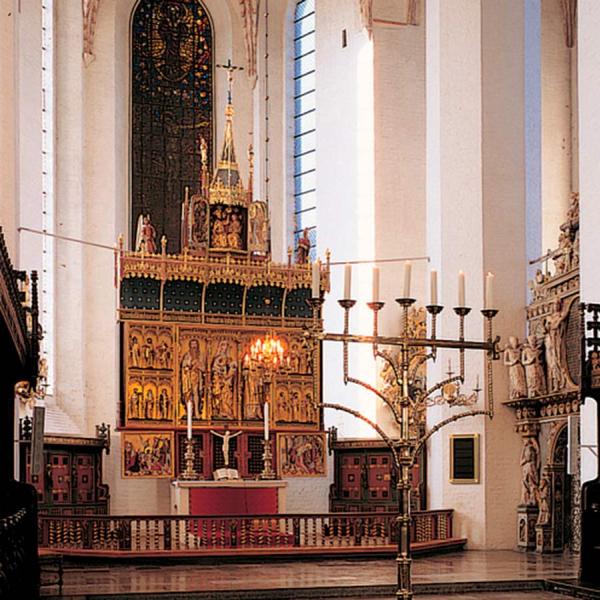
(8, 120)
(71, 345)
(400, 207)
(346, 191)
(476, 215)
(589, 186)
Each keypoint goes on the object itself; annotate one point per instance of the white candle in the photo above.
(266, 413)
(347, 281)
(407, 272)
(375, 284)
(461, 288)
(489, 290)
(189, 420)
(316, 279)
(433, 287)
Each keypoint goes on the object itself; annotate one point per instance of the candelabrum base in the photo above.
(267, 472)
(189, 474)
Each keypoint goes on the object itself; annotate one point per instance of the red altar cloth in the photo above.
(233, 501)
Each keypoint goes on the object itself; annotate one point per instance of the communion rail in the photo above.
(332, 533)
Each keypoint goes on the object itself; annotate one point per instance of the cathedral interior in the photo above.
(299, 299)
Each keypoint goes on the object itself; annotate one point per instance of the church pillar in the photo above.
(399, 108)
(589, 187)
(556, 121)
(346, 190)
(103, 217)
(8, 119)
(475, 202)
(70, 211)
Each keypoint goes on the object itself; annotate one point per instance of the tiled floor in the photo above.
(469, 566)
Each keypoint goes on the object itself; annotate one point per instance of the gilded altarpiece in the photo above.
(190, 320)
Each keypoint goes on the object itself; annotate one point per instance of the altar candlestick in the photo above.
(433, 287)
(266, 413)
(316, 279)
(375, 284)
(189, 420)
(461, 288)
(347, 281)
(489, 290)
(407, 273)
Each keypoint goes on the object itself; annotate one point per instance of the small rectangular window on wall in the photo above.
(464, 458)
(305, 189)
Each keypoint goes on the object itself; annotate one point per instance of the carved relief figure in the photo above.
(145, 239)
(556, 351)
(219, 231)
(282, 407)
(134, 401)
(530, 468)
(516, 372)
(148, 353)
(303, 248)
(531, 357)
(234, 232)
(253, 390)
(135, 352)
(224, 381)
(543, 498)
(259, 228)
(192, 379)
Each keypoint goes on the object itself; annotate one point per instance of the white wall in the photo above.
(346, 194)
(476, 223)
(589, 187)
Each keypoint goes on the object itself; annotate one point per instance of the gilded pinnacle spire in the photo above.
(226, 186)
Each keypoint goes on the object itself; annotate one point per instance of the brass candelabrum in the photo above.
(189, 473)
(411, 395)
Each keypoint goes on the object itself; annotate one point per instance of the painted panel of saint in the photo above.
(147, 454)
(301, 454)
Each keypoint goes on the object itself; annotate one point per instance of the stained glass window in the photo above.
(305, 189)
(172, 109)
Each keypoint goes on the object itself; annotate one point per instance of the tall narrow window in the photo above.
(305, 192)
(171, 82)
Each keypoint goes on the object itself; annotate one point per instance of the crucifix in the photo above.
(230, 68)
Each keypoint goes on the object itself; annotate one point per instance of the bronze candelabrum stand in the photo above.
(412, 395)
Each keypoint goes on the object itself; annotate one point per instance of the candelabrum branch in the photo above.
(441, 384)
(420, 359)
(388, 440)
(377, 393)
(435, 428)
(383, 340)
